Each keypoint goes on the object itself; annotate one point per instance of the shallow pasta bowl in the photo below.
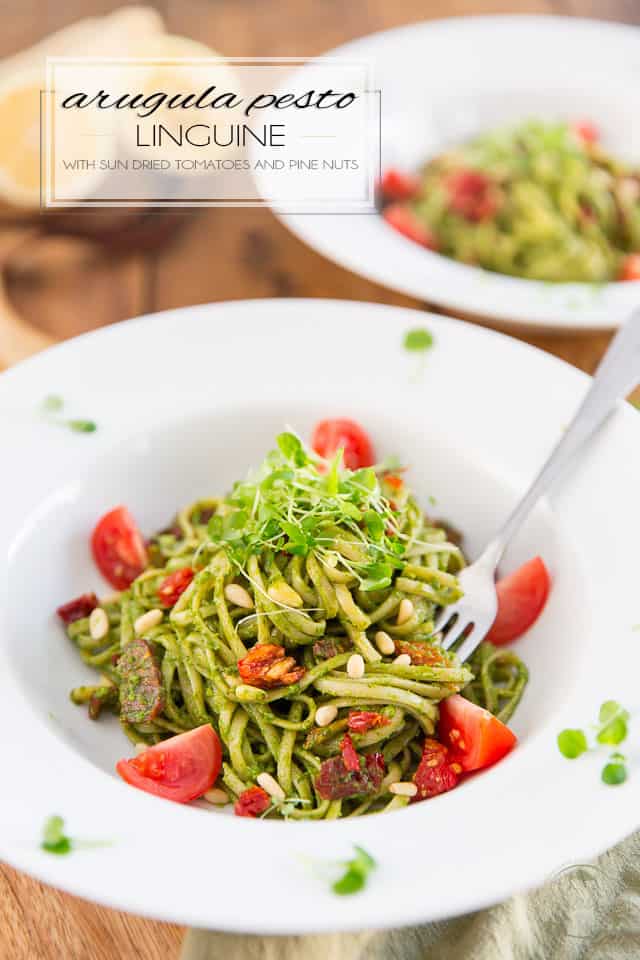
(185, 402)
(442, 83)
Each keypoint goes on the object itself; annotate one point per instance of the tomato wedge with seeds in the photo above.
(521, 599)
(331, 435)
(181, 768)
(173, 586)
(405, 221)
(118, 548)
(473, 736)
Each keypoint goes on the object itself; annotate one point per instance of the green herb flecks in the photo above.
(614, 773)
(418, 340)
(82, 426)
(54, 839)
(572, 743)
(356, 873)
(53, 404)
(298, 502)
(612, 729)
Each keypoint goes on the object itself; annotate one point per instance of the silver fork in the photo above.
(617, 374)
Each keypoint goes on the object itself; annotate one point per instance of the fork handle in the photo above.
(617, 374)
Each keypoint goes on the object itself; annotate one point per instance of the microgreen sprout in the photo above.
(286, 806)
(611, 730)
(356, 873)
(298, 502)
(53, 404)
(53, 837)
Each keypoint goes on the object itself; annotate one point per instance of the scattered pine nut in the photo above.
(147, 621)
(140, 747)
(355, 666)
(402, 660)
(216, 796)
(384, 643)
(98, 623)
(239, 596)
(326, 715)
(271, 785)
(405, 611)
(403, 788)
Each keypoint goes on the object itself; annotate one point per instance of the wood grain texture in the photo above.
(67, 285)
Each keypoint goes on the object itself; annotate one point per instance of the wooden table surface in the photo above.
(66, 286)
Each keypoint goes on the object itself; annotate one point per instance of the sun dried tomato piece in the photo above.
(473, 195)
(349, 756)
(422, 654)
(335, 782)
(252, 802)
(78, 608)
(362, 720)
(328, 647)
(173, 586)
(436, 773)
(267, 666)
(141, 694)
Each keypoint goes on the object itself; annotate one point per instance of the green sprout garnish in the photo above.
(356, 873)
(612, 729)
(82, 426)
(614, 774)
(613, 723)
(53, 837)
(53, 404)
(572, 743)
(418, 340)
(298, 502)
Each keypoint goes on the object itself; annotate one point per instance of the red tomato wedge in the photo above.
(630, 267)
(181, 768)
(118, 548)
(404, 220)
(473, 736)
(521, 599)
(396, 185)
(586, 131)
(330, 435)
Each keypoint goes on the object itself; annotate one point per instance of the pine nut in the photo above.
(355, 666)
(405, 611)
(147, 621)
(326, 715)
(216, 796)
(140, 747)
(402, 660)
(238, 595)
(271, 785)
(281, 592)
(110, 598)
(403, 788)
(384, 643)
(98, 623)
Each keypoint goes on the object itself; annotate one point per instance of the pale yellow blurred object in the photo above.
(125, 32)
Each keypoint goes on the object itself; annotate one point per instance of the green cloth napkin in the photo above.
(590, 911)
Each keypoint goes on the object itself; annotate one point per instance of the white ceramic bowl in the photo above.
(185, 402)
(444, 81)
